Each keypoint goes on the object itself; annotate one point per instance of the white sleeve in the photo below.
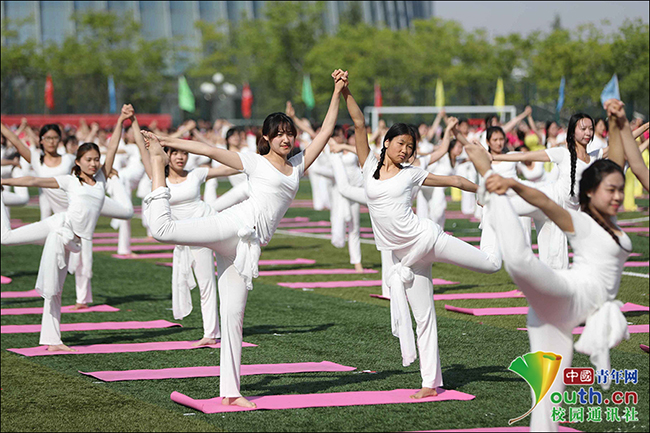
(298, 160)
(556, 154)
(417, 174)
(371, 163)
(64, 181)
(249, 161)
(201, 173)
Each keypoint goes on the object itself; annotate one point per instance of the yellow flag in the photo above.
(500, 96)
(440, 94)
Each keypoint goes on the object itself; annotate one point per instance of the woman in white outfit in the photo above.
(532, 171)
(235, 235)
(47, 163)
(414, 243)
(239, 191)
(571, 161)
(64, 231)
(563, 299)
(185, 203)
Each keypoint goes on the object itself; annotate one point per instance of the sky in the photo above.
(501, 18)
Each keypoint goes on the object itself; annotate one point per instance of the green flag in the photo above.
(185, 96)
(307, 93)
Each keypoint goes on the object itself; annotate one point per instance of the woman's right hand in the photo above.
(340, 79)
(498, 184)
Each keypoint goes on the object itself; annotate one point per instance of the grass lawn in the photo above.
(343, 325)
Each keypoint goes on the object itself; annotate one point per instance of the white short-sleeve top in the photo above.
(562, 157)
(271, 192)
(57, 197)
(389, 201)
(185, 201)
(84, 202)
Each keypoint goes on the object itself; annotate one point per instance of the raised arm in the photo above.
(300, 123)
(434, 126)
(514, 122)
(452, 122)
(111, 148)
(221, 171)
(40, 182)
(139, 141)
(533, 127)
(632, 153)
(640, 130)
(226, 157)
(453, 181)
(186, 127)
(320, 140)
(360, 134)
(92, 133)
(21, 147)
(616, 152)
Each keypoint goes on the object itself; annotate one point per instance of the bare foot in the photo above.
(358, 268)
(154, 146)
(205, 342)
(237, 401)
(424, 392)
(60, 348)
(78, 306)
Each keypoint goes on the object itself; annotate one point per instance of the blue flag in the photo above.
(560, 98)
(610, 91)
(111, 95)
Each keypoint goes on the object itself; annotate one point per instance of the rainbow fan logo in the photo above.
(539, 369)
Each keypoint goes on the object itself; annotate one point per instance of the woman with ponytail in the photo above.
(65, 232)
(560, 300)
(411, 244)
(236, 234)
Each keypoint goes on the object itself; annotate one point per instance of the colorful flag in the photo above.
(111, 95)
(440, 94)
(185, 96)
(49, 92)
(378, 99)
(610, 91)
(560, 98)
(500, 95)
(307, 92)
(246, 101)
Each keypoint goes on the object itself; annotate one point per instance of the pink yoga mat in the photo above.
(314, 272)
(296, 219)
(501, 429)
(634, 329)
(4, 280)
(636, 264)
(105, 235)
(333, 399)
(26, 294)
(39, 310)
(118, 348)
(506, 311)
(161, 247)
(326, 230)
(187, 372)
(144, 256)
(305, 224)
(484, 295)
(267, 262)
(133, 240)
(636, 229)
(24, 329)
(356, 283)
(644, 347)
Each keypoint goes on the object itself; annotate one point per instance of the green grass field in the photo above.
(345, 326)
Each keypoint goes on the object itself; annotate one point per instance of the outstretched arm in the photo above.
(640, 130)
(535, 197)
(40, 182)
(221, 171)
(446, 139)
(320, 140)
(454, 181)
(21, 147)
(360, 134)
(111, 149)
(226, 157)
(434, 126)
(139, 141)
(538, 155)
(513, 122)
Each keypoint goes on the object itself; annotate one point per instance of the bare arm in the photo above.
(533, 127)
(434, 126)
(226, 157)
(640, 130)
(91, 134)
(360, 134)
(538, 155)
(644, 146)
(40, 182)
(139, 141)
(615, 144)
(200, 137)
(300, 123)
(513, 122)
(221, 171)
(454, 181)
(446, 139)
(21, 147)
(111, 148)
(320, 140)
(187, 127)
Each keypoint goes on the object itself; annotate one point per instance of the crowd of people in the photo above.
(568, 180)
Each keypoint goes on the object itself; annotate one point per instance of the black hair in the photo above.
(548, 125)
(273, 123)
(44, 130)
(349, 133)
(395, 131)
(571, 143)
(169, 151)
(337, 130)
(491, 131)
(463, 120)
(230, 133)
(521, 147)
(591, 179)
(604, 120)
(81, 151)
(452, 144)
(488, 120)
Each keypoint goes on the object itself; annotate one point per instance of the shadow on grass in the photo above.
(451, 288)
(310, 386)
(120, 337)
(118, 300)
(18, 274)
(458, 375)
(275, 329)
(289, 247)
(13, 301)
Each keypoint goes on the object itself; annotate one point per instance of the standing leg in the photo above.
(32, 233)
(210, 192)
(422, 202)
(438, 206)
(83, 275)
(354, 237)
(44, 205)
(337, 219)
(51, 321)
(205, 277)
(387, 262)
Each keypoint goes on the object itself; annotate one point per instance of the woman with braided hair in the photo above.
(560, 300)
(571, 161)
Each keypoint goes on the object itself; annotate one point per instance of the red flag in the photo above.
(378, 99)
(246, 101)
(49, 93)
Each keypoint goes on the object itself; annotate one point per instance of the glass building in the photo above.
(51, 20)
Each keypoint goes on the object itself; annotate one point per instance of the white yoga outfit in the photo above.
(536, 173)
(235, 235)
(237, 194)
(560, 300)
(20, 194)
(321, 186)
(415, 244)
(130, 173)
(63, 233)
(345, 214)
(436, 201)
(185, 203)
(56, 197)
